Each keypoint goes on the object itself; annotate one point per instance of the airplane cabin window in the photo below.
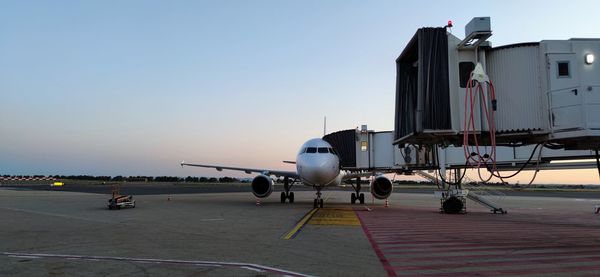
(311, 150)
(323, 150)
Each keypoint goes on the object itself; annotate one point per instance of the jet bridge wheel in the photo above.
(283, 197)
(353, 198)
(361, 198)
(291, 196)
(453, 205)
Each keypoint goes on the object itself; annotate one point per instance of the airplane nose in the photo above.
(317, 176)
(319, 172)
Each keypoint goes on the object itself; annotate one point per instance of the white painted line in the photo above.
(55, 215)
(247, 266)
(251, 268)
(23, 257)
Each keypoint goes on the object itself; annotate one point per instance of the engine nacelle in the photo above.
(381, 187)
(262, 186)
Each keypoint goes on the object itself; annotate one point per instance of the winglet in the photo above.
(182, 163)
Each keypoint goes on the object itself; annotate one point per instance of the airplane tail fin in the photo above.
(324, 125)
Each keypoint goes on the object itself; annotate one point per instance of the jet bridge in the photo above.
(546, 91)
(522, 106)
(461, 103)
(363, 149)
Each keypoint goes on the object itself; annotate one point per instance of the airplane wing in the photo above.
(278, 173)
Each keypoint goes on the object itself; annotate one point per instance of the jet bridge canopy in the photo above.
(422, 84)
(344, 143)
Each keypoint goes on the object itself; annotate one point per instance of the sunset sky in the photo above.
(135, 87)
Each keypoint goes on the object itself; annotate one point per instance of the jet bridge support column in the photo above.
(442, 164)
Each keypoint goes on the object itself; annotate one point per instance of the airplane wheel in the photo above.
(315, 203)
(283, 197)
(353, 198)
(361, 198)
(291, 197)
(321, 203)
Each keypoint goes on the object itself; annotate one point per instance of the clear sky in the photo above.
(134, 87)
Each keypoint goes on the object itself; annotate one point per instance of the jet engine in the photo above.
(262, 186)
(381, 187)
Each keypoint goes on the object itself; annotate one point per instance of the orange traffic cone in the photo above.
(257, 202)
(387, 204)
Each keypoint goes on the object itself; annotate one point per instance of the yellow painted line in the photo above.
(344, 216)
(300, 224)
(335, 216)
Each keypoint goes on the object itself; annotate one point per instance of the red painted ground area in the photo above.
(414, 241)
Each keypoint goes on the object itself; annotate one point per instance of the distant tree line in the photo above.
(120, 178)
(24, 176)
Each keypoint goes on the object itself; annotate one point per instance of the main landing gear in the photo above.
(318, 202)
(358, 195)
(287, 194)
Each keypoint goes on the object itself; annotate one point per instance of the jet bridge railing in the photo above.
(481, 189)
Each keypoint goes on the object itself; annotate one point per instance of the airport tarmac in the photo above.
(61, 233)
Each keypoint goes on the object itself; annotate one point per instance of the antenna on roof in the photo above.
(324, 125)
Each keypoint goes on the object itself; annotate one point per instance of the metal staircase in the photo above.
(484, 195)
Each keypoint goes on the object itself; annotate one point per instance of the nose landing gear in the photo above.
(318, 202)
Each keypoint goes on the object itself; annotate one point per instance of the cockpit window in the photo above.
(323, 150)
(311, 150)
(332, 151)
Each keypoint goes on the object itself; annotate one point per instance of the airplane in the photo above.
(317, 166)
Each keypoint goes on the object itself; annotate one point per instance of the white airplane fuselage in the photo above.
(318, 165)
